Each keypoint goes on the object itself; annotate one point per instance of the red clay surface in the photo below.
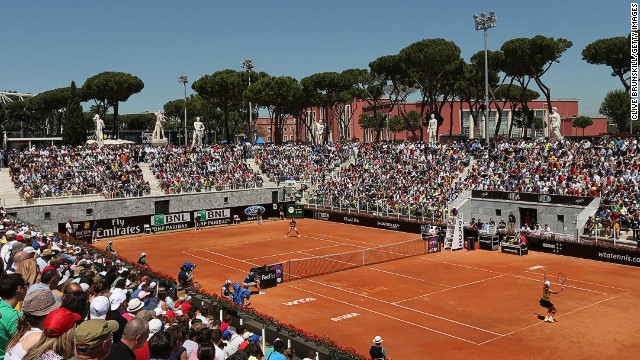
(449, 305)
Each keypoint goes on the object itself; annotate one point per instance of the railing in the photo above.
(57, 199)
(458, 201)
(380, 208)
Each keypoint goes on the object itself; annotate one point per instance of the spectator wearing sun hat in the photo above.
(377, 352)
(118, 302)
(56, 342)
(94, 339)
(35, 307)
(133, 308)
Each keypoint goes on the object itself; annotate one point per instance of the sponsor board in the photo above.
(321, 215)
(253, 210)
(617, 255)
(433, 244)
(529, 197)
(513, 249)
(134, 225)
(388, 225)
(295, 211)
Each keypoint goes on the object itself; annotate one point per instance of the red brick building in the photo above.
(346, 125)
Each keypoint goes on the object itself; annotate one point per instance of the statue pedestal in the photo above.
(159, 142)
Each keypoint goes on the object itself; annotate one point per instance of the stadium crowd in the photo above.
(605, 168)
(416, 179)
(60, 301)
(65, 171)
(197, 169)
(304, 163)
(406, 178)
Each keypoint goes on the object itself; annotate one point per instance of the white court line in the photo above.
(464, 266)
(403, 307)
(586, 282)
(226, 245)
(451, 288)
(344, 238)
(335, 242)
(497, 272)
(406, 276)
(384, 315)
(542, 322)
(296, 251)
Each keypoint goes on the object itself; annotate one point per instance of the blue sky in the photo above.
(46, 44)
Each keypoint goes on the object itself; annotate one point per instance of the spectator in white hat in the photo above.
(377, 352)
(133, 308)
(118, 302)
(99, 308)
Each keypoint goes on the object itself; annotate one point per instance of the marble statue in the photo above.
(319, 131)
(433, 129)
(158, 132)
(555, 121)
(198, 132)
(99, 130)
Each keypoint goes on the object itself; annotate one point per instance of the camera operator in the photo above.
(185, 276)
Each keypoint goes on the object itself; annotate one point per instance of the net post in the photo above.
(363, 258)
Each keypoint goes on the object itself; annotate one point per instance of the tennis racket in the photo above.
(562, 278)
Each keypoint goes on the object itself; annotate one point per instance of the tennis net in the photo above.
(326, 264)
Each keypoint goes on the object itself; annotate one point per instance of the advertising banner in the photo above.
(433, 244)
(134, 225)
(368, 221)
(295, 211)
(529, 197)
(610, 254)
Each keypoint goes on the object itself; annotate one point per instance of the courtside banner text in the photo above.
(528, 197)
(133, 225)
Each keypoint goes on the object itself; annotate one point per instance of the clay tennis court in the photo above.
(447, 305)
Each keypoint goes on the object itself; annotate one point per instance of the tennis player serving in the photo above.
(545, 301)
(293, 226)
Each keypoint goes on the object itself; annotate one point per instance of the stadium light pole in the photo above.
(183, 79)
(248, 64)
(485, 23)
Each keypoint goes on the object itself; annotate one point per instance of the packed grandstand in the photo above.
(404, 178)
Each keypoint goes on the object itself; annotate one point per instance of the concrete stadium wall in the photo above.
(120, 208)
(547, 214)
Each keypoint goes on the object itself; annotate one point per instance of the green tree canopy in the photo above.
(617, 107)
(612, 52)
(278, 95)
(109, 88)
(74, 132)
(429, 66)
(582, 122)
(224, 90)
(531, 58)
